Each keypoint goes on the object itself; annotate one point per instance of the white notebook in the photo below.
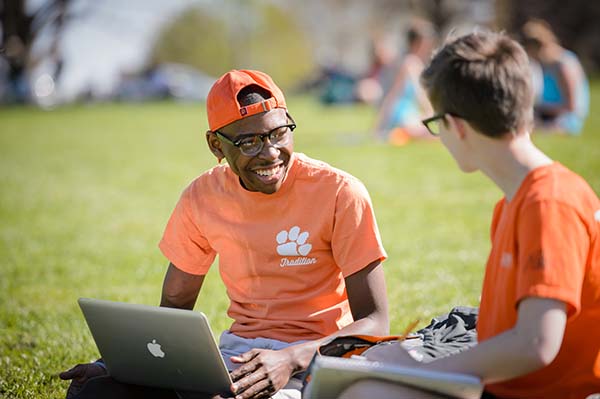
(332, 375)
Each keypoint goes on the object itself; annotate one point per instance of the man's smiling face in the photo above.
(265, 171)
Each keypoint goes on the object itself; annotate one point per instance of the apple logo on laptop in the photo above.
(154, 349)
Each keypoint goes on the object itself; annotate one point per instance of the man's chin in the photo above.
(266, 184)
(260, 186)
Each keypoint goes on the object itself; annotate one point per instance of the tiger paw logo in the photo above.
(293, 243)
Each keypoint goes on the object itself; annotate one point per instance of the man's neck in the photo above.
(508, 161)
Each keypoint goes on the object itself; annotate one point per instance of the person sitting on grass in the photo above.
(405, 103)
(539, 318)
(563, 97)
(296, 274)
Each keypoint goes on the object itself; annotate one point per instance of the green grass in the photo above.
(86, 192)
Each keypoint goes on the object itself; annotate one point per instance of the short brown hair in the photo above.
(483, 77)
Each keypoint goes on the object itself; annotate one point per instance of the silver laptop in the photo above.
(156, 346)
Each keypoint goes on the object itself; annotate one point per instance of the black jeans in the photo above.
(107, 387)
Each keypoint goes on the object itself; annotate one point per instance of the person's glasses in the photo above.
(434, 124)
(252, 144)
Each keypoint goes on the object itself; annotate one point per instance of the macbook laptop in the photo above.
(157, 346)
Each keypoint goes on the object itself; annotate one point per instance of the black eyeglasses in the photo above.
(433, 124)
(252, 144)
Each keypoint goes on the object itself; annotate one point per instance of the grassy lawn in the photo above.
(86, 192)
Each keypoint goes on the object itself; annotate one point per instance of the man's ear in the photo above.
(457, 126)
(214, 144)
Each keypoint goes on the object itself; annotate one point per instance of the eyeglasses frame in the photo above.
(434, 118)
(237, 142)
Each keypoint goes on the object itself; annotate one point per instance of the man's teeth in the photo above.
(267, 172)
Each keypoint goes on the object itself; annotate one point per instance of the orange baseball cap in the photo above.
(222, 106)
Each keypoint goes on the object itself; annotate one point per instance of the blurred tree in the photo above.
(194, 38)
(343, 31)
(249, 34)
(21, 27)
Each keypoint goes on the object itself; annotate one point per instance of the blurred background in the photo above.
(60, 51)
(102, 126)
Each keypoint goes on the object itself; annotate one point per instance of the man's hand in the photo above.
(263, 373)
(79, 376)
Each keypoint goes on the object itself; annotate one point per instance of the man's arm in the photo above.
(180, 289)
(367, 296)
(530, 345)
(267, 371)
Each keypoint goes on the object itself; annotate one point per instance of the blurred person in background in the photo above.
(405, 103)
(296, 275)
(370, 88)
(562, 98)
(337, 85)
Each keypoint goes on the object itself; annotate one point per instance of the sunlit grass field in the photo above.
(86, 191)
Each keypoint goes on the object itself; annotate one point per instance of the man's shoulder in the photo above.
(556, 183)
(215, 179)
(323, 172)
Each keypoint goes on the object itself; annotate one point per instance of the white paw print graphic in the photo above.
(292, 243)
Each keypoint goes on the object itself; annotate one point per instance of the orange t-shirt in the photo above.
(546, 243)
(282, 256)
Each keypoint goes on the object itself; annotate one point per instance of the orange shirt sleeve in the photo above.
(553, 245)
(355, 240)
(183, 242)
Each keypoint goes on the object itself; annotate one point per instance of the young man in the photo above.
(296, 273)
(539, 320)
